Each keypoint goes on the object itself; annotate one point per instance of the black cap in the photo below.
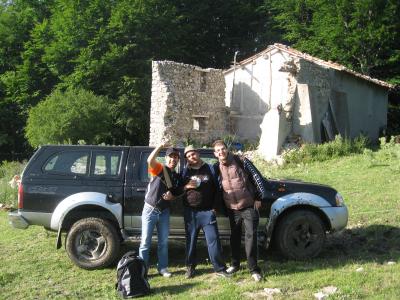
(171, 151)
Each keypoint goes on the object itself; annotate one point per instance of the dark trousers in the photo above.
(250, 218)
(206, 220)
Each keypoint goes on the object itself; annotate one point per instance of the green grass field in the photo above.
(362, 262)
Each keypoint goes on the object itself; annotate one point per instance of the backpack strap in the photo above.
(167, 178)
(256, 178)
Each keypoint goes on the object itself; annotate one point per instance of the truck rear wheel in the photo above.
(300, 235)
(92, 243)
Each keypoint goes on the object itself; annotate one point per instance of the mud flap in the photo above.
(58, 241)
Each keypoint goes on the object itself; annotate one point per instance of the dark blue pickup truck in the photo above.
(95, 195)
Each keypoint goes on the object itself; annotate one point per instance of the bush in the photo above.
(390, 150)
(70, 116)
(321, 152)
(8, 195)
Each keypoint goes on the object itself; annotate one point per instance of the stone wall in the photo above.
(187, 104)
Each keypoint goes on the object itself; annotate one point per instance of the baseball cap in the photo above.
(171, 150)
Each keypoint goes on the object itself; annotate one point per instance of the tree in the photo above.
(106, 46)
(19, 71)
(17, 19)
(70, 116)
(364, 35)
(117, 58)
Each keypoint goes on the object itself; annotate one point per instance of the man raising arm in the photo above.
(156, 207)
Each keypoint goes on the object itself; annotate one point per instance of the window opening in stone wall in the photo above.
(202, 81)
(200, 123)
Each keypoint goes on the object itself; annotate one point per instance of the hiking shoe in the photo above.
(232, 269)
(189, 272)
(256, 276)
(224, 274)
(165, 273)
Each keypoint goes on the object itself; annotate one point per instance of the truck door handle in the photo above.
(140, 189)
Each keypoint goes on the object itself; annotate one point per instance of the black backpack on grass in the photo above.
(132, 276)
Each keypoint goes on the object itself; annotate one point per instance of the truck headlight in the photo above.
(339, 200)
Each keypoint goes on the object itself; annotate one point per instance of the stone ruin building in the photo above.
(274, 97)
(187, 104)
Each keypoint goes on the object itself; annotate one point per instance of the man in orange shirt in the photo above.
(156, 207)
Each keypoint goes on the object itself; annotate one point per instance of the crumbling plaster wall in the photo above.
(277, 122)
(252, 90)
(364, 104)
(299, 109)
(316, 81)
(292, 95)
(355, 106)
(187, 104)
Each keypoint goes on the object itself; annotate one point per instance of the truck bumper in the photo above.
(17, 220)
(338, 217)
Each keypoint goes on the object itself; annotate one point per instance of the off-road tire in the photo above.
(300, 235)
(92, 243)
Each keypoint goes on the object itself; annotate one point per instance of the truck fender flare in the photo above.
(79, 199)
(290, 200)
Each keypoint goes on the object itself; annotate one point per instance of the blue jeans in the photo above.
(206, 220)
(152, 217)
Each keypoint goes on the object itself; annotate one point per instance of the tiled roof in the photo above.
(318, 61)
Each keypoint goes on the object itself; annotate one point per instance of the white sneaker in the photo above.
(256, 277)
(165, 273)
(232, 269)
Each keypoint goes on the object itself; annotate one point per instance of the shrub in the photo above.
(70, 116)
(229, 140)
(390, 150)
(393, 140)
(321, 152)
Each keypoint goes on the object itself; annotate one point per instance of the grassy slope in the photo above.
(31, 268)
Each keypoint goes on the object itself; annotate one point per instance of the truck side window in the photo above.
(143, 172)
(100, 165)
(107, 163)
(80, 165)
(209, 160)
(68, 163)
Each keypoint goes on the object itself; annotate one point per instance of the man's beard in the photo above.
(224, 160)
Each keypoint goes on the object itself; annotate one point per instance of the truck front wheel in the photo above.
(92, 243)
(300, 235)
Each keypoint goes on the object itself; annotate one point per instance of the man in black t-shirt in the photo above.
(199, 201)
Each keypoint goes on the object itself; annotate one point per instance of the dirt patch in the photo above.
(374, 240)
